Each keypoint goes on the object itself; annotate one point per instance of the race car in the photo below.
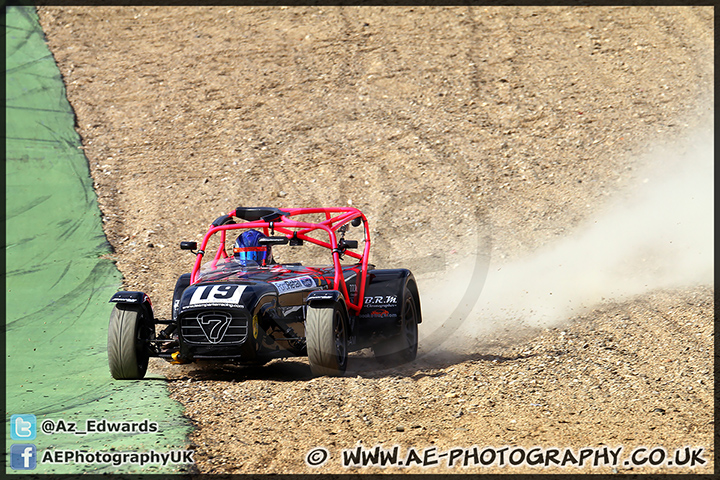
(239, 306)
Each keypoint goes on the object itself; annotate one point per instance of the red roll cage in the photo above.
(274, 220)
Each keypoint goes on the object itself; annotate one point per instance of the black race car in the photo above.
(236, 309)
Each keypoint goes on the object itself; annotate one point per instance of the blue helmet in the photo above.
(248, 249)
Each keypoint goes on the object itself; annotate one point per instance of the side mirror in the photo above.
(348, 244)
(188, 245)
(356, 222)
(273, 241)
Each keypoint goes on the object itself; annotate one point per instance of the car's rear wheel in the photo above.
(403, 347)
(326, 338)
(128, 337)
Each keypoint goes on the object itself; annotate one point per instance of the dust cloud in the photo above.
(658, 234)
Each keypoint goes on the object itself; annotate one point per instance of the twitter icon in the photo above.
(23, 427)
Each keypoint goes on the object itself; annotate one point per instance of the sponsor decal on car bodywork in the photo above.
(381, 301)
(295, 284)
(378, 314)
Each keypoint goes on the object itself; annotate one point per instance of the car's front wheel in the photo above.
(128, 337)
(326, 337)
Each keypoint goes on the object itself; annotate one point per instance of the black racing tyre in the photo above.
(403, 347)
(326, 338)
(128, 336)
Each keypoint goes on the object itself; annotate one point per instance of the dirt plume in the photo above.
(657, 234)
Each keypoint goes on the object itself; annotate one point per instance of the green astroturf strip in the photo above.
(57, 283)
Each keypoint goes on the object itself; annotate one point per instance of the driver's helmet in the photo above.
(247, 249)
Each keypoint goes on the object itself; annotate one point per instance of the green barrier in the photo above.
(58, 285)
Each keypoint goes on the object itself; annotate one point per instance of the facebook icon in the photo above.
(22, 427)
(23, 456)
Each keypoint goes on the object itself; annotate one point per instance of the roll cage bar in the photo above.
(274, 220)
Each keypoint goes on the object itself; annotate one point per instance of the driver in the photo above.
(247, 249)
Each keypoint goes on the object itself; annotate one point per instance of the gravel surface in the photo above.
(513, 126)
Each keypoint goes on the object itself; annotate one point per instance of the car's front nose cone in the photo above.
(215, 327)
